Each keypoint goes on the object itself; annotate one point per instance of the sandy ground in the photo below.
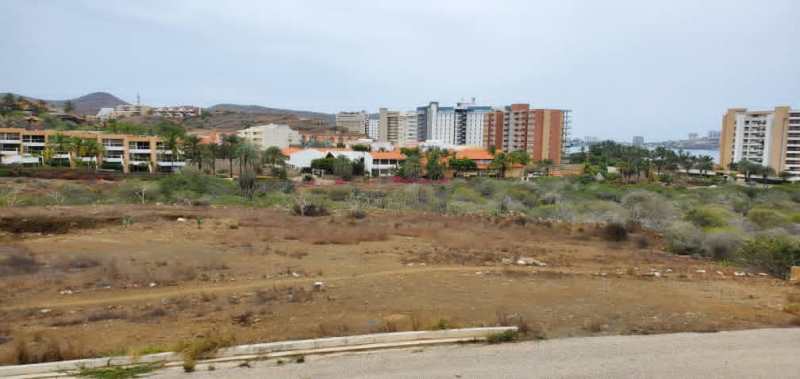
(120, 279)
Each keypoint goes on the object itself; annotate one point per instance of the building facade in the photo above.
(372, 128)
(353, 122)
(769, 138)
(638, 141)
(264, 136)
(127, 153)
(407, 128)
(540, 132)
(388, 126)
(459, 125)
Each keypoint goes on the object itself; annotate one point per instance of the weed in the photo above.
(189, 364)
(506, 336)
(121, 372)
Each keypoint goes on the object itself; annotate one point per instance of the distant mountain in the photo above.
(257, 109)
(87, 104)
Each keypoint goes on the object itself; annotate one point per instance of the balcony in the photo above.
(34, 144)
(10, 141)
(139, 151)
(112, 159)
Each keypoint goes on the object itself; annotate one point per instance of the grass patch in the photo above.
(121, 372)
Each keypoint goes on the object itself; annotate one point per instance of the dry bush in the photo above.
(18, 264)
(615, 232)
(106, 314)
(79, 262)
(243, 319)
(41, 348)
(265, 296)
(204, 345)
(299, 295)
(298, 254)
(332, 329)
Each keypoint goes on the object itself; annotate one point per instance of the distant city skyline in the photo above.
(654, 69)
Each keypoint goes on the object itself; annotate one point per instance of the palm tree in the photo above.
(77, 150)
(273, 156)
(191, 149)
(500, 164)
(230, 146)
(248, 157)
(94, 149)
(545, 165)
(746, 168)
(704, 163)
(60, 144)
(171, 141)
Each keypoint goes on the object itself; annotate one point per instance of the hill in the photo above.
(257, 109)
(87, 104)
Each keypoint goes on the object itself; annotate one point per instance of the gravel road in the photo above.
(764, 353)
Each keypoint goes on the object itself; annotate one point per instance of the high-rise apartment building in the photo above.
(769, 138)
(540, 132)
(459, 125)
(407, 128)
(638, 141)
(372, 128)
(353, 122)
(388, 126)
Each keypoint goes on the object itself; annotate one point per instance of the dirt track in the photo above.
(139, 278)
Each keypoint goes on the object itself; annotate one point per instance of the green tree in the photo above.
(273, 157)
(704, 163)
(433, 166)
(342, 167)
(361, 148)
(520, 157)
(8, 105)
(94, 149)
(462, 165)
(411, 168)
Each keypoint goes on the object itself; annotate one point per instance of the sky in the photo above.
(659, 69)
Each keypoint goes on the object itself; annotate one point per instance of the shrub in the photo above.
(708, 216)
(767, 218)
(309, 208)
(776, 253)
(615, 232)
(722, 246)
(649, 209)
(684, 238)
(16, 264)
(506, 336)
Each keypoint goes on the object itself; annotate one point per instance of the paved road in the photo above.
(765, 353)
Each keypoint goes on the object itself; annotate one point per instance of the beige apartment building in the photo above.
(353, 122)
(127, 153)
(265, 136)
(769, 138)
(389, 126)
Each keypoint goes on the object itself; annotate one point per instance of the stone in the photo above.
(181, 219)
(794, 274)
(318, 286)
(506, 261)
(739, 273)
(701, 271)
(528, 261)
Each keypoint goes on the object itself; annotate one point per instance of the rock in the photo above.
(45, 311)
(657, 274)
(152, 284)
(506, 261)
(739, 273)
(763, 274)
(181, 219)
(794, 274)
(701, 271)
(296, 275)
(318, 286)
(528, 261)
(720, 273)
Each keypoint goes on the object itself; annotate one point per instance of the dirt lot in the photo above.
(118, 279)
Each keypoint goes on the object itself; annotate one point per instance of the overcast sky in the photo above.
(660, 69)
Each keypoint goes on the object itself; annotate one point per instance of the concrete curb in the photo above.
(266, 350)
